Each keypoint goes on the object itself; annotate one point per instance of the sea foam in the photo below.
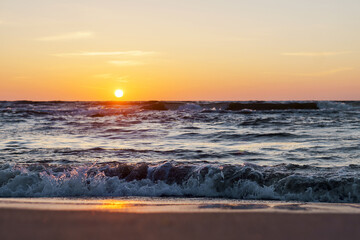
(283, 182)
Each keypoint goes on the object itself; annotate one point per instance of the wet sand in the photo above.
(119, 219)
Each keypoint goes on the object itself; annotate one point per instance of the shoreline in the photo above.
(159, 218)
(175, 205)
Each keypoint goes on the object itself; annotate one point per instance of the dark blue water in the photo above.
(305, 151)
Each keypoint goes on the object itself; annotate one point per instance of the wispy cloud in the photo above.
(325, 73)
(314, 54)
(109, 76)
(135, 53)
(125, 63)
(67, 36)
(313, 74)
(239, 39)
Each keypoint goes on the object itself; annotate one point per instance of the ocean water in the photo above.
(301, 151)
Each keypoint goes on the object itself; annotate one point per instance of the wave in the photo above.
(230, 106)
(249, 181)
(338, 105)
(108, 109)
(250, 106)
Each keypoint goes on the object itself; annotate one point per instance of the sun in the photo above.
(119, 93)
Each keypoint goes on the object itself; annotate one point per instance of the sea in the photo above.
(306, 151)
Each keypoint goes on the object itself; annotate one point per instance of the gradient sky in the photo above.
(180, 50)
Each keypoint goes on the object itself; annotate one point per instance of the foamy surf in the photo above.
(282, 182)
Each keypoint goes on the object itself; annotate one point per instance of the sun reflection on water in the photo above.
(113, 204)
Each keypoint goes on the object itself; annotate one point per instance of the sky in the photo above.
(180, 50)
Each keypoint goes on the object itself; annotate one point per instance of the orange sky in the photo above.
(180, 50)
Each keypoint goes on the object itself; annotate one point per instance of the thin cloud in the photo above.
(240, 39)
(126, 63)
(314, 54)
(135, 53)
(67, 36)
(325, 73)
(109, 76)
(314, 74)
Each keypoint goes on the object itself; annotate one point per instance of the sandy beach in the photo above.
(152, 219)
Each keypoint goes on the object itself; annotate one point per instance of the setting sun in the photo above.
(119, 93)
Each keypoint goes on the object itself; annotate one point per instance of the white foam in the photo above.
(190, 107)
(334, 105)
(79, 182)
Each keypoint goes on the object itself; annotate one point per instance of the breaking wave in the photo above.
(104, 109)
(249, 181)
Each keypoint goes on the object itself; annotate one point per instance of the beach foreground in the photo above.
(176, 219)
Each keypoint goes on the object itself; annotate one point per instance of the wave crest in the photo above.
(282, 182)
